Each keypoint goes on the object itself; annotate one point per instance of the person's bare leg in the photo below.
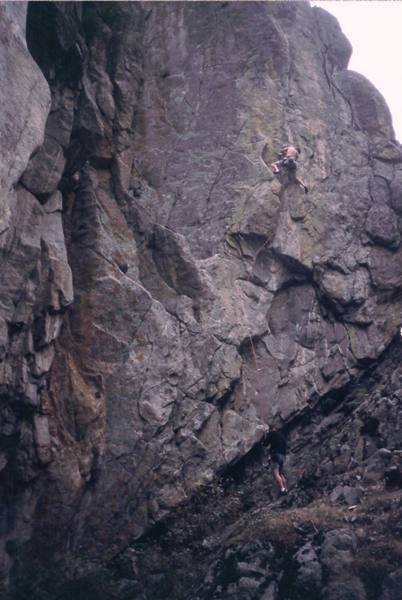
(284, 482)
(301, 184)
(278, 478)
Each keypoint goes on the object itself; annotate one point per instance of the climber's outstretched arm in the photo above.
(275, 166)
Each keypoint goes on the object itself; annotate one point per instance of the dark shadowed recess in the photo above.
(58, 37)
(52, 40)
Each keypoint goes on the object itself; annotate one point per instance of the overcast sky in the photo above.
(374, 28)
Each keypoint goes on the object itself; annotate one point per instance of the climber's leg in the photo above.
(277, 471)
(301, 184)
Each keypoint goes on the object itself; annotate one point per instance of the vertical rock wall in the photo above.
(209, 297)
(35, 284)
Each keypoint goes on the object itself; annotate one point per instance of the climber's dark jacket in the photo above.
(277, 443)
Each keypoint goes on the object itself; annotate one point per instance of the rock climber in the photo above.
(288, 160)
(277, 442)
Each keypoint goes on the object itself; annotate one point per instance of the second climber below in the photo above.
(277, 442)
(288, 160)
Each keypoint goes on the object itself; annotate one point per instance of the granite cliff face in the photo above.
(164, 297)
